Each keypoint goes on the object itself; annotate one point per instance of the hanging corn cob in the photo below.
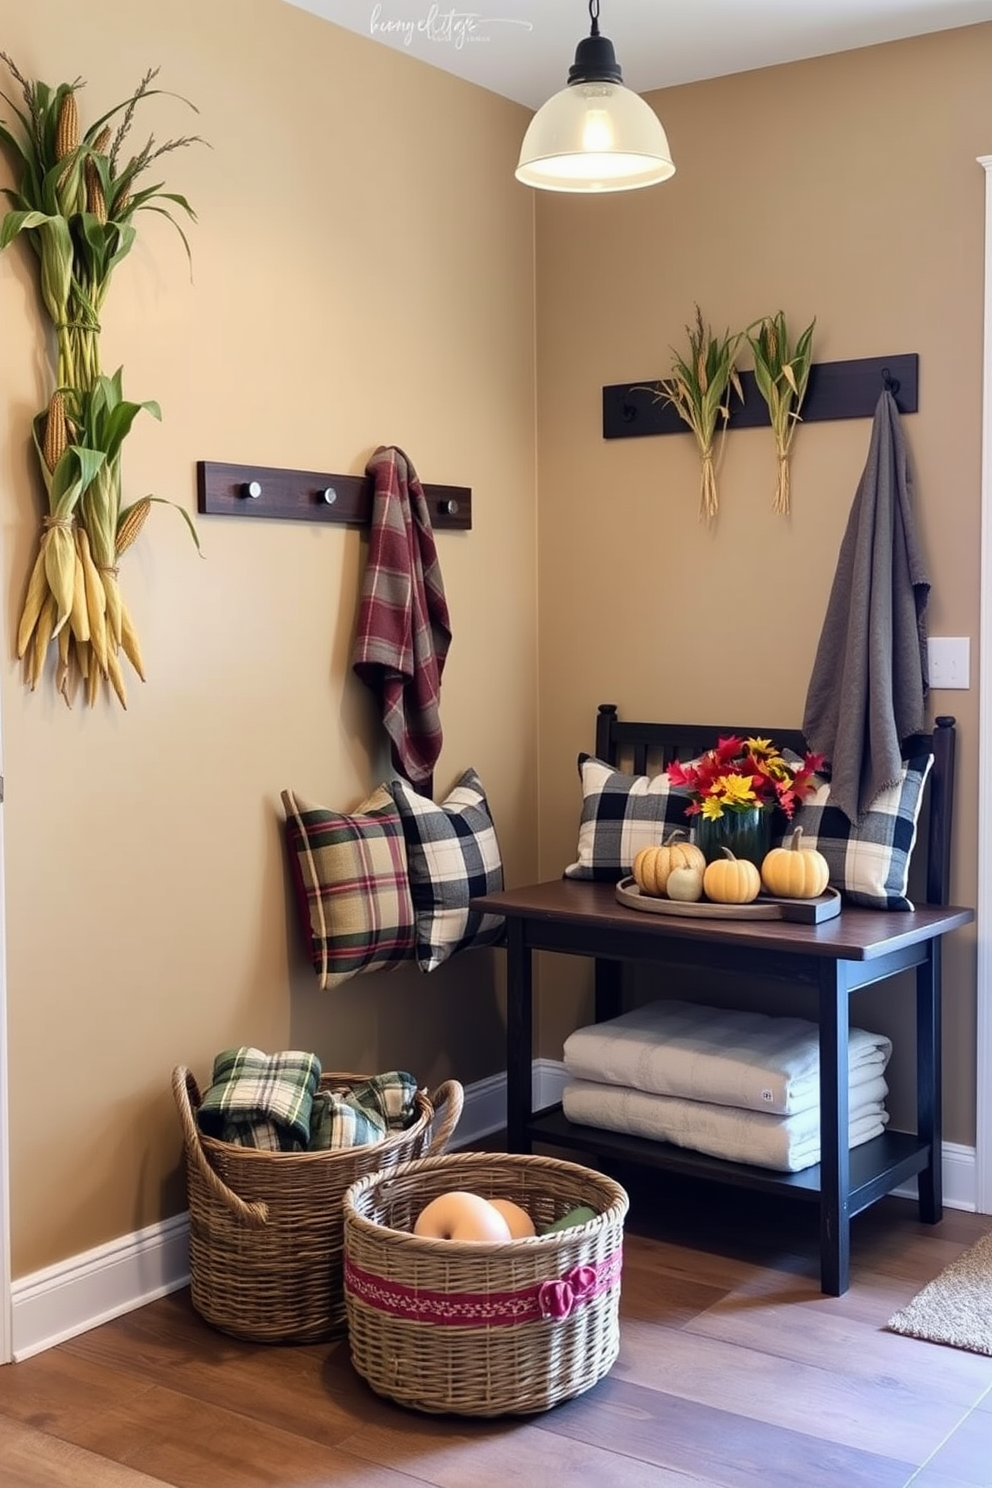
(76, 200)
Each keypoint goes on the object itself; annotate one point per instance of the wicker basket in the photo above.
(266, 1228)
(480, 1329)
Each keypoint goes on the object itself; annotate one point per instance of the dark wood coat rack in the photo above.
(312, 496)
(836, 390)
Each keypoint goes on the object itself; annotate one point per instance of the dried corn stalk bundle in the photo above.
(76, 201)
(781, 374)
(698, 388)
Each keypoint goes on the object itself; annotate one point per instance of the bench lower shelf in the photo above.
(877, 1167)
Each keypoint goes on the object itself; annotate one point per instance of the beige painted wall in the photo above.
(844, 188)
(362, 274)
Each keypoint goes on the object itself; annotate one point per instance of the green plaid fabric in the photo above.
(366, 1113)
(352, 888)
(267, 1136)
(261, 1100)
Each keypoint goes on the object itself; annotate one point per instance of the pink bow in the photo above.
(557, 1298)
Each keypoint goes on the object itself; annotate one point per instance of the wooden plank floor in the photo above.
(734, 1371)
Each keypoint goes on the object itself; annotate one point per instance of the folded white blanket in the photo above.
(786, 1143)
(723, 1055)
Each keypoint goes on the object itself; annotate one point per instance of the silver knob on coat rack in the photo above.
(252, 488)
(449, 508)
(329, 495)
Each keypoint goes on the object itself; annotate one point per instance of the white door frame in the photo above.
(983, 1051)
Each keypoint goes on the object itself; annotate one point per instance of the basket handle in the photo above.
(449, 1098)
(184, 1086)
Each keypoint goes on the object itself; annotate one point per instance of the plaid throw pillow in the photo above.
(620, 815)
(453, 855)
(352, 889)
(869, 863)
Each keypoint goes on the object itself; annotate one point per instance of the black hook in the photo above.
(890, 383)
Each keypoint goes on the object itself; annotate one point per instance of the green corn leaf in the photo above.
(56, 267)
(24, 119)
(163, 501)
(73, 475)
(15, 223)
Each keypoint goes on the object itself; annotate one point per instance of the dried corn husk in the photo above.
(698, 388)
(781, 375)
(42, 635)
(129, 641)
(73, 596)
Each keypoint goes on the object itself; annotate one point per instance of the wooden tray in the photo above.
(806, 911)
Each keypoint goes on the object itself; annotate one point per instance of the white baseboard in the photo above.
(73, 1296)
(960, 1178)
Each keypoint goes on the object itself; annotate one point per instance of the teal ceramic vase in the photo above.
(747, 834)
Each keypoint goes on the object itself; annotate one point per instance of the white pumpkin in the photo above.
(685, 884)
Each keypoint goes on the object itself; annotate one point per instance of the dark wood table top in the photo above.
(854, 935)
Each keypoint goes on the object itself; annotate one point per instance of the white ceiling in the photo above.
(524, 48)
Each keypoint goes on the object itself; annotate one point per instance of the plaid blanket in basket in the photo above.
(367, 1112)
(261, 1100)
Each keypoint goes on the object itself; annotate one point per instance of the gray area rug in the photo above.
(956, 1307)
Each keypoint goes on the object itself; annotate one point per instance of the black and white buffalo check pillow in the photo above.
(621, 814)
(452, 855)
(869, 862)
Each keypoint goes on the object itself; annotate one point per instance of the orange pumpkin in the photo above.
(730, 880)
(794, 871)
(652, 865)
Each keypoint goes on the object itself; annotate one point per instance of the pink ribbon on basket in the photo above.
(552, 1300)
(557, 1298)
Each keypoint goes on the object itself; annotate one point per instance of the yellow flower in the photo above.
(736, 790)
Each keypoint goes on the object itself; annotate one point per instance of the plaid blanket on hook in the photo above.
(404, 629)
(261, 1100)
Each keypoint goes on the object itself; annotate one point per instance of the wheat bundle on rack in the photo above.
(698, 388)
(781, 375)
(76, 200)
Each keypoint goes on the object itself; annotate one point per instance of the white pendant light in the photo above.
(595, 135)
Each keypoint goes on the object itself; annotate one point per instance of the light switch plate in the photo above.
(949, 661)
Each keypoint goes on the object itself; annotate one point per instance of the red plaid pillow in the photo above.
(352, 888)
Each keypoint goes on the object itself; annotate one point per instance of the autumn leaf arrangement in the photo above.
(705, 375)
(77, 198)
(739, 774)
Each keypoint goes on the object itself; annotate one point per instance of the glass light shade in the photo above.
(594, 136)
